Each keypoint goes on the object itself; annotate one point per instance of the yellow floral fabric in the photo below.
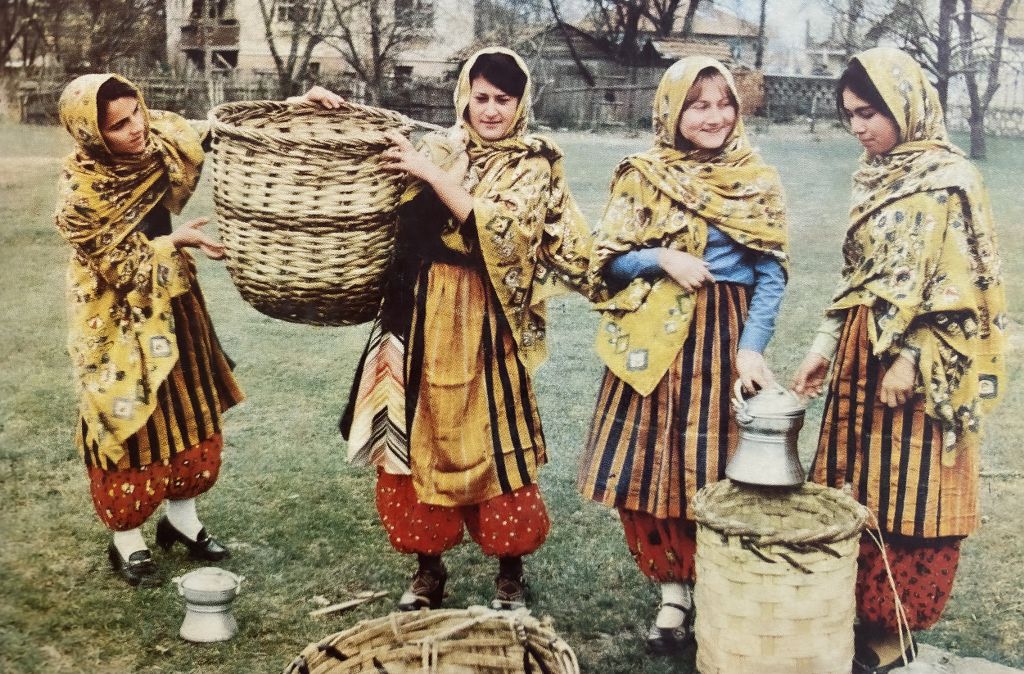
(667, 197)
(921, 252)
(533, 238)
(120, 284)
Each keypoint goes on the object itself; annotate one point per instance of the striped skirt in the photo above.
(461, 417)
(891, 457)
(652, 453)
(199, 388)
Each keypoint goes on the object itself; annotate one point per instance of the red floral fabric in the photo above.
(125, 498)
(662, 548)
(923, 570)
(508, 525)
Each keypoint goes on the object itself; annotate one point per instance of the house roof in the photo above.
(673, 48)
(709, 20)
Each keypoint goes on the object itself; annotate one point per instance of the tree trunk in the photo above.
(759, 55)
(584, 71)
(691, 11)
(944, 49)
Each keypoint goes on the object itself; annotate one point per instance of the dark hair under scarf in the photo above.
(502, 71)
(856, 79)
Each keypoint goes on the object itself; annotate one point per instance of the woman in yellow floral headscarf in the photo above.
(442, 402)
(694, 241)
(151, 377)
(916, 333)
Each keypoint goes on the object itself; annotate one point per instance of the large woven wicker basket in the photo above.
(776, 571)
(305, 207)
(448, 641)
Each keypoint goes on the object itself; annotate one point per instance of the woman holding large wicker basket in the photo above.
(914, 338)
(442, 401)
(152, 380)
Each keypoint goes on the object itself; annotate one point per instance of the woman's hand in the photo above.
(810, 376)
(319, 95)
(898, 382)
(402, 156)
(688, 271)
(190, 236)
(753, 370)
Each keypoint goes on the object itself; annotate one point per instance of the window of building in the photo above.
(291, 11)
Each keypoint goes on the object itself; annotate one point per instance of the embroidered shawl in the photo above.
(921, 251)
(667, 197)
(120, 284)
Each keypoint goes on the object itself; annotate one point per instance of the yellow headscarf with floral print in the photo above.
(931, 273)
(120, 284)
(667, 196)
(534, 240)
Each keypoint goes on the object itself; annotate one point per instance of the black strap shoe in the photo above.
(205, 547)
(137, 570)
(671, 640)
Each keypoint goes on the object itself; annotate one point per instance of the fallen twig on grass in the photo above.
(362, 598)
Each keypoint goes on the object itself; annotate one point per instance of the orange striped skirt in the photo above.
(891, 457)
(652, 453)
(199, 388)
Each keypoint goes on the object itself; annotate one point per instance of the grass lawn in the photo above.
(301, 523)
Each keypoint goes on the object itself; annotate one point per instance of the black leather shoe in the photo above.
(204, 547)
(510, 592)
(671, 640)
(137, 570)
(426, 589)
(866, 660)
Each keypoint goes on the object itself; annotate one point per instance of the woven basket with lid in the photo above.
(776, 570)
(305, 207)
(448, 641)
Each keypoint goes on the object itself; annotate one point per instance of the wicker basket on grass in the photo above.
(776, 570)
(305, 208)
(476, 640)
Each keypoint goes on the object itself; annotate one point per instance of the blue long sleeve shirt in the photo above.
(728, 261)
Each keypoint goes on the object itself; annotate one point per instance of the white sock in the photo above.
(674, 593)
(128, 542)
(182, 515)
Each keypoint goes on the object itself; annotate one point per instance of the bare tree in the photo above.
(82, 35)
(662, 14)
(759, 54)
(370, 34)
(302, 24)
(691, 12)
(509, 19)
(15, 20)
(588, 77)
(619, 23)
(983, 61)
(928, 38)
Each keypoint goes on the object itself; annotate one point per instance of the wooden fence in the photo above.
(193, 98)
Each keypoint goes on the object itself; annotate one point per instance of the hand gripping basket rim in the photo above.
(306, 208)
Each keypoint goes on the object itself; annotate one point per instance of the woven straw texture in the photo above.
(776, 571)
(305, 207)
(447, 641)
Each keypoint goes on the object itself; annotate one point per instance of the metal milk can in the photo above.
(208, 594)
(769, 424)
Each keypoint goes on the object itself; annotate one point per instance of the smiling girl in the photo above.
(914, 337)
(694, 241)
